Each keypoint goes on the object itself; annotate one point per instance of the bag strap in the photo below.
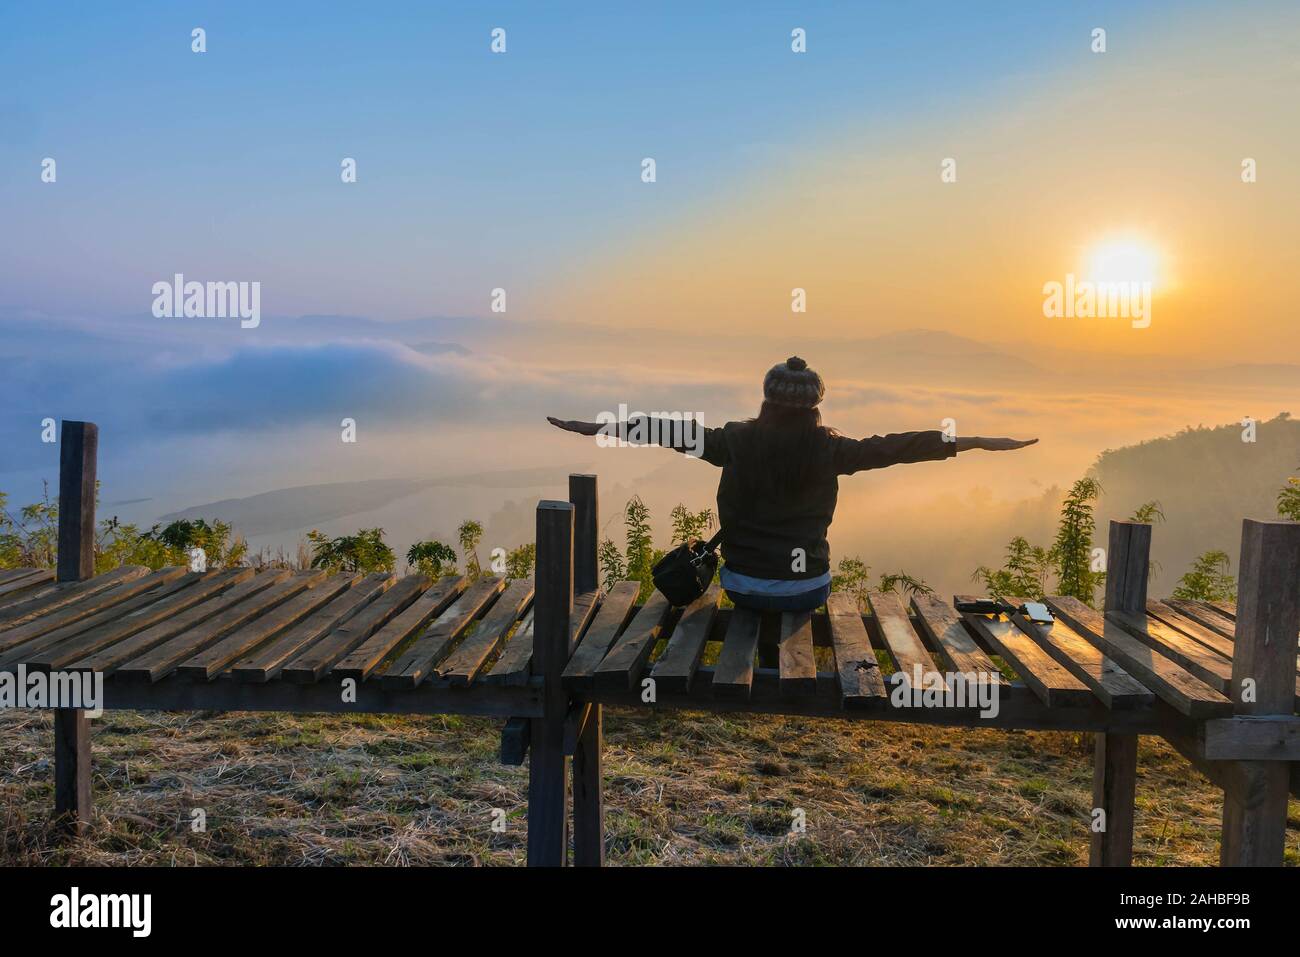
(713, 542)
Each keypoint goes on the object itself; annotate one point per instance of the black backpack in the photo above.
(684, 574)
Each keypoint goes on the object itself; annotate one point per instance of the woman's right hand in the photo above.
(572, 425)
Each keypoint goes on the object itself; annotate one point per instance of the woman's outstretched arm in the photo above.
(966, 443)
(685, 435)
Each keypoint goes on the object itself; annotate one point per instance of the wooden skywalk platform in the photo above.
(1220, 683)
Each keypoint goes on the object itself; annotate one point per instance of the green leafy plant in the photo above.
(1208, 579)
(365, 551)
(470, 534)
(432, 559)
(1023, 573)
(1072, 551)
(1288, 499)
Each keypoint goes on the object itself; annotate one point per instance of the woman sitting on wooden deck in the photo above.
(780, 482)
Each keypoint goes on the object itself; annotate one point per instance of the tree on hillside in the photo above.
(1208, 579)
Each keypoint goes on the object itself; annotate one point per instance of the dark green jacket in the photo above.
(760, 532)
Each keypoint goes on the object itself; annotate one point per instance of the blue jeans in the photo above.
(804, 601)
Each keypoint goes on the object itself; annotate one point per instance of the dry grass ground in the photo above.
(680, 789)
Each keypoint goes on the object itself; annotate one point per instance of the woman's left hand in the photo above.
(571, 425)
(991, 445)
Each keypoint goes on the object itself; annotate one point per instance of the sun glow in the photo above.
(1124, 261)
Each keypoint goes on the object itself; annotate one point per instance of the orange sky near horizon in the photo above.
(1143, 146)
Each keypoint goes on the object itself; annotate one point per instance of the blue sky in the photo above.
(522, 170)
(475, 170)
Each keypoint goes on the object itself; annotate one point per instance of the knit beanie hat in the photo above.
(793, 383)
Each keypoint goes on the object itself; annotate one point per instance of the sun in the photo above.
(1124, 261)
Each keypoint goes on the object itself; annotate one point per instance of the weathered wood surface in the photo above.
(857, 670)
(1252, 738)
(796, 663)
(622, 667)
(513, 668)
(900, 638)
(681, 658)
(102, 601)
(65, 594)
(447, 606)
(1172, 683)
(118, 642)
(1050, 681)
(733, 676)
(266, 662)
(939, 621)
(463, 665)
(20, 583)
(309, 665)
(216, 658)
(416, 662)
(162, 659)
(614, 613)
(1103, 675)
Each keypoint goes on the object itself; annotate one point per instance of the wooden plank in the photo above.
(446, 598)
(857, 670)
(1203, 614)
(309, 665)
(8, 575)
(163, 659)
(265, 662)
(214, 659)
(796, 664)
(93, 605)
(733, 675)
(155, 653)
(417, 662)
(902, 640)
(1253, 738)
(1053, 685)
(677, 665)
(65, 594)
(22, 580)
(73, 807)
(463, 665)
(514, 667)
(1226, 608)
(614, 612)
(1159, 611)
(622, 667)
(1104, 677)
(939, 621)
(162, 618)
(1208, 667)
(1172, 684)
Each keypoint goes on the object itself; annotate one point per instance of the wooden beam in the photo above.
(515, 738)
(548, 794)
(1263, 684)
(78, 451)
(1114, 786)
(1258, 738)
(1053, 684)
(733, 677)
(586, 532)
(588, 799)
(78, 467)
(797, 666)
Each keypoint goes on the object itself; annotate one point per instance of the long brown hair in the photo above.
(781, 443)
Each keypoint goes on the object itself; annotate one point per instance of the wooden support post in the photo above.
(588, 800)
(1263, 683)
(78, 452)
(548, 794)
(1114, 769)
